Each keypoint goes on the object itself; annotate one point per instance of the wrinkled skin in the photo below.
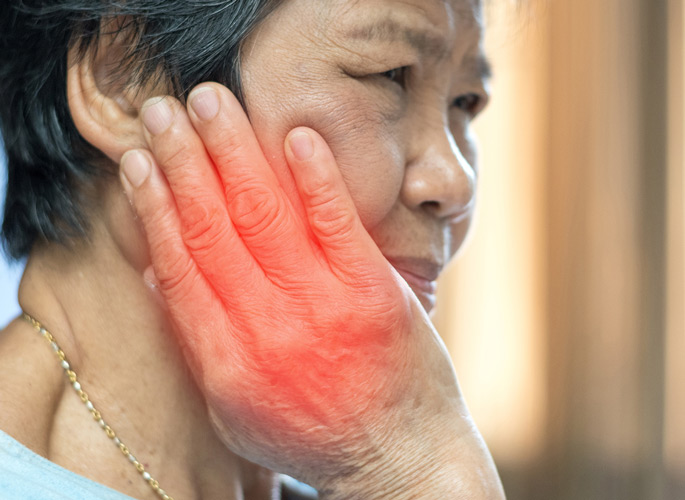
(315, 356)
(311, 358)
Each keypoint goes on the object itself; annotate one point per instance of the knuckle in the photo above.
(225, 146)
(254, 209)
(176, 154)
(318, 192)
(327, 216)
(174, 272)
(155, 215)
(202, 226)
(333, 225)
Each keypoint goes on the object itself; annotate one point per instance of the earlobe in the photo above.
(103, 114)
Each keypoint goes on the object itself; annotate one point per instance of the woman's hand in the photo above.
(314, 356)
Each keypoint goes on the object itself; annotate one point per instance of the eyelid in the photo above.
(470, 102)
(397, 75)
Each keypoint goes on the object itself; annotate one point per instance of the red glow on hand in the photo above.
(299, 332)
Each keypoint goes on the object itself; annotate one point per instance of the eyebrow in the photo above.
(428, 43)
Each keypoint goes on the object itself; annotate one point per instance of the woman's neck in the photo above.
(117, 338)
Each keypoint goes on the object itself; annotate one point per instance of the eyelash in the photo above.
(470, 103)
(396, 75)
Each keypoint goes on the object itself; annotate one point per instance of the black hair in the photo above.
(183, 42)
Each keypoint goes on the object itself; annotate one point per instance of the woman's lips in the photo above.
(420, 275)
(417, 282)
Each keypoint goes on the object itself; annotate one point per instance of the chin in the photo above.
(427, 300)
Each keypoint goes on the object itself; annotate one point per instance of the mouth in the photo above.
(421, 275)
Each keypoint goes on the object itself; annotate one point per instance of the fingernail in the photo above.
(136, 167)
(157, 115)
(302, 145)
(204, 102)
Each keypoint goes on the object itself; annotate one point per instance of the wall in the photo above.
(9, 273)
(566, 313)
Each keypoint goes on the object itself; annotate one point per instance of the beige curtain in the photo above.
(565, 314)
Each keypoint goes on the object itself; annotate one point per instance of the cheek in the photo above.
(370, 158)
(470, 148)
(467, 141)
(366, 146)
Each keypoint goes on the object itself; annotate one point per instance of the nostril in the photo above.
(433, 206)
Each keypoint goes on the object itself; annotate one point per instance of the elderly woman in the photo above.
(248, 295)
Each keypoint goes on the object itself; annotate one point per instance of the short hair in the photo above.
(183, 42)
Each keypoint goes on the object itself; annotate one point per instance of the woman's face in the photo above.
(392, 85)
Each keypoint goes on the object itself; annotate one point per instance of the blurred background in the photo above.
(565, 313)
(9, 273)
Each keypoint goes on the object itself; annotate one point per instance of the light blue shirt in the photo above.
(25, 475)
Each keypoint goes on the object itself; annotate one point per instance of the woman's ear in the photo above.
(104, 111)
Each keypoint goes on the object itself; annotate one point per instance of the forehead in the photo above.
(437, 27)
(442, 15)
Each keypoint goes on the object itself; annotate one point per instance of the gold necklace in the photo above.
(73, 380)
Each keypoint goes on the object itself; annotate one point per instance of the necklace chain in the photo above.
(73, 380)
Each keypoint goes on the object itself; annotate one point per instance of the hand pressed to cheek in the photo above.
(296, 328)
(368, 156)
(313, 355)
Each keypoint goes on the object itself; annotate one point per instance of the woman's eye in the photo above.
(470, 103)
(396, 75)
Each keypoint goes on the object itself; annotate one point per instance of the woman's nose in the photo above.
(438, 177)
